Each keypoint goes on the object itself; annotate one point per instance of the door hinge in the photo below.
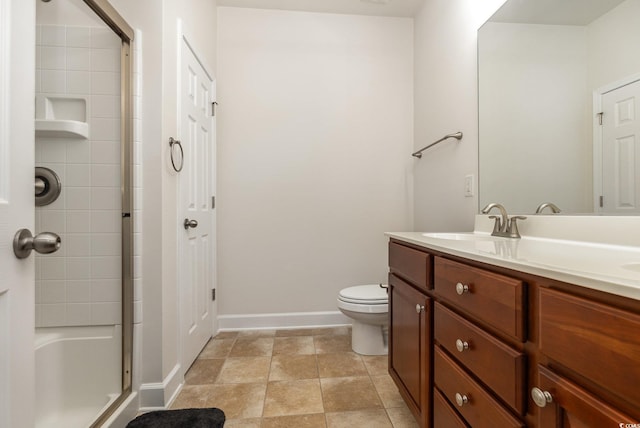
(213, 202)
(600, 117)
(213, 108)
(601, 201)
(213, 294)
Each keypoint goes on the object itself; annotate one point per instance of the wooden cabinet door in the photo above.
(410, 346)
(572, 407)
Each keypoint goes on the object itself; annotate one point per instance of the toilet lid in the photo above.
(365, 294)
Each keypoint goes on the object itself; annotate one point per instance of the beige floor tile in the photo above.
(295, 332)
(257, 333)
(226, 335)
(297, 397)
(387, 391)
(245, 370)
(217, 348)
(293, 367)
(332, 344)
(343, 364)
(192, 396)
(349, 393)
(332, 331)
(370, 418)
(239, 401)
(401, 417)
(252, 347)
(243, 423)
(204, 371)
(376, 365)
(293, 345)
(298, 421)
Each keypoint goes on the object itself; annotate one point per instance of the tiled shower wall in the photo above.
(81, 283)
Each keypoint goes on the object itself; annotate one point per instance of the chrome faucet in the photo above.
(553, 207)
(504, 226)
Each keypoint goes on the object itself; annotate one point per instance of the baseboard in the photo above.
(157, 396)
(282, 320)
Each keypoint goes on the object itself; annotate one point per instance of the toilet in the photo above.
(368, 307)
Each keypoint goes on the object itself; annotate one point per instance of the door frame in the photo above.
(184, 39)
(597, 134)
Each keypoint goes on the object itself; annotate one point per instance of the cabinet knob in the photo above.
(461, 399)
(540, 397)
(419, 308)
(462, 288)
(461, 345)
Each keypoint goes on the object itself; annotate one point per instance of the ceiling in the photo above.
(400, 8)
(553, 12)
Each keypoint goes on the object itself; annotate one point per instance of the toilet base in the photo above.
(369, 339)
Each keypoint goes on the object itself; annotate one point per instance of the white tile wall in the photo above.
(81, 283)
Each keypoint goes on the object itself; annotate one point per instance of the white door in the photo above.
(621, 150)
(196, 237)
(17, 68)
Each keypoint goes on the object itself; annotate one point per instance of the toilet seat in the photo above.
(371, 294)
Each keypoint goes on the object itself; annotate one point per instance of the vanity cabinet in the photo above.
(507, 348)
(594, 343)
(410, 328)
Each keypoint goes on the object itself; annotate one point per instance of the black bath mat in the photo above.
(184, 418)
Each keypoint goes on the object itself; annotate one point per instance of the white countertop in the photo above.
(611, 268)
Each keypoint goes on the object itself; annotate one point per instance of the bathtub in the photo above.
(78, 374)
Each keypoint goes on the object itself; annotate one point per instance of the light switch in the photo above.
(468, 185)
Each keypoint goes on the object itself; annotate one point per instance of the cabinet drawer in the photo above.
(595, 340)
(572, 406)
(443, 413)
(480, 410)
(496, 364)
(496, 299)
(411, 265)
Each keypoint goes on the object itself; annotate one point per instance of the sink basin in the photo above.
(632, 266)
(470, 236)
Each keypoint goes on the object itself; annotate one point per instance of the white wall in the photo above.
(445, 102)
(537, 72)
(613, 45)
(314, 144)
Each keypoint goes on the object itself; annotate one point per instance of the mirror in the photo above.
(545, 71)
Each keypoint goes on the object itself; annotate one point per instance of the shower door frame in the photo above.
(117, 23)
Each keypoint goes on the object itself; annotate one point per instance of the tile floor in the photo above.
(294, 378)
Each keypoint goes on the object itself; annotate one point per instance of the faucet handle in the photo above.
(497, 225)
(512, 230)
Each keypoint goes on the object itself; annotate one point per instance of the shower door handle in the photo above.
(43, 243)
(190, 224)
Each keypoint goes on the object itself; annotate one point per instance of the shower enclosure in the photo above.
(84, 294)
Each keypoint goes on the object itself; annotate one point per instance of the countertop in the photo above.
(611, 268)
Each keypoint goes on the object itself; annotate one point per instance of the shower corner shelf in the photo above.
(61, 128)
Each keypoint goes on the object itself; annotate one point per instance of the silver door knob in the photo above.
(43, 243)
(461, 399)
(462, 288)
(461, 345)
(540, 397)
(190, 223)
(419, 308)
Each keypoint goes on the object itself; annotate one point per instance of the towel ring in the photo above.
(172, 143)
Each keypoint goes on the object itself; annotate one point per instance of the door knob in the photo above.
(43, 243)
(190, 223)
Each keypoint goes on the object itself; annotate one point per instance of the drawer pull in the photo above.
(540, 397)
(462, 346)
(419, 308)
(462, 288)
(461, 399)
